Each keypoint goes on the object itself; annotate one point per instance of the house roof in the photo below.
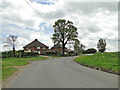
(56, 46)
(35, 43)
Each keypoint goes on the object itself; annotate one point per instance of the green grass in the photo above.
(8, 71)
(7, 62)
(103, 60)
(19, 61)
(0, 74)
(81, 54)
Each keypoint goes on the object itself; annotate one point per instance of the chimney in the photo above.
(36, 39)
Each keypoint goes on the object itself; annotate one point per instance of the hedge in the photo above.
(88, 51)
(30, 54)
(19, 54)
(53, 53)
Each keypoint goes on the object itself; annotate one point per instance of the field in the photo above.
(8, 65)
(101, 60)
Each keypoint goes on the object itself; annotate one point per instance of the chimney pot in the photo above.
(36, 39)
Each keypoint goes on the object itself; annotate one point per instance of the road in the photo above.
(62, 73)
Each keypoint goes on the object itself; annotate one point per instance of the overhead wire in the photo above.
(33, 8)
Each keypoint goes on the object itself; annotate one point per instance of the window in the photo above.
(38, 47)
(39, 52)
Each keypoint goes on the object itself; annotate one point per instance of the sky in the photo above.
(93, 19)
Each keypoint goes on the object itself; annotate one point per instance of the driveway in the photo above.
(62, 73)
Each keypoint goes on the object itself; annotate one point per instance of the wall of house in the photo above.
(58, 49)
(34, 49)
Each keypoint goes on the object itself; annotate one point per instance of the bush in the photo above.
(53, 53)
(72, 53)
(10, 54)
(29, 54)
(88, 51)
(19, 53)
(7, 54)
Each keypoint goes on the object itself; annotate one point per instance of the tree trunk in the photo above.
(13, 51)
(63, 49)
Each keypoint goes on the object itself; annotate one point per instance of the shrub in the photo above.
(52, 53)
(88, 51)
(29, 54)
(7, 54)
(19, 53)
(72, 53)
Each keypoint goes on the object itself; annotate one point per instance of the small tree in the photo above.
(6, 49)
(78, 47)
(82, 47)
(64, 31)
(10, 40)
(101, 45)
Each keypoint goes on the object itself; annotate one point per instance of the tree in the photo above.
(82, 47)
(6, 49)
(64, 31)
(101, 45)
(10, 40)
(78, 47)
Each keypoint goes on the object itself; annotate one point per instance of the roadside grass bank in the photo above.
(9, 65)
(81, 54)
(101, 61)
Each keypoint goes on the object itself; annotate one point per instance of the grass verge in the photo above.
(107, 61)
(7, 62)
(8, 71)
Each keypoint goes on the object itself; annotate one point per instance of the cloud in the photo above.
(19, 13)
(94, 20)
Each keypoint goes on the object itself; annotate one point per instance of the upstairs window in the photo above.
(43, 48)
(38, 47)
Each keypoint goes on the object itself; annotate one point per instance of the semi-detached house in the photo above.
(36, 46)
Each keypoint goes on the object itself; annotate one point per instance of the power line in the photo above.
(33, 8)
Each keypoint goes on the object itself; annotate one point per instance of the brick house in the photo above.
(57, 48)
(36, 46)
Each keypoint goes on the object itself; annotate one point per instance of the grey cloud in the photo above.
(16, 18)
(93, 28)
(91, 7)
(6, 4)
(86, 30)
(81, 8)
(60, 13)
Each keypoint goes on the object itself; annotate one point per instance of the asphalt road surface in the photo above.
(62, 73)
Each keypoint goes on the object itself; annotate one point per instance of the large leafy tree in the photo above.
(10, 40)
(64, 31)
(101, 45)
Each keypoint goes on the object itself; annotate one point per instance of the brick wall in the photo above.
(34, 49)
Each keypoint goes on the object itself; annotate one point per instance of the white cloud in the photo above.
(93, 20)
